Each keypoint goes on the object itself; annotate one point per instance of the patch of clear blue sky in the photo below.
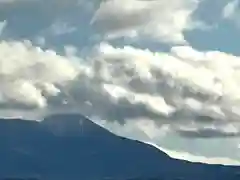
(225, 37)
(29, 20)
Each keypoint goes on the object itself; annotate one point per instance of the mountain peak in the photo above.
(72, 125)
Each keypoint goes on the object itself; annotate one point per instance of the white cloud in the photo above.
(28, 72)
(176, 88)
(162, 20)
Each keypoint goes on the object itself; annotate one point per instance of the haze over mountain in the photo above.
(70, 146)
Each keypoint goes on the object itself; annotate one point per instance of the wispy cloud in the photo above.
(230, 10)
(2, 26)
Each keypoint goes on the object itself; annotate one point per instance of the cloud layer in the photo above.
(184, 87)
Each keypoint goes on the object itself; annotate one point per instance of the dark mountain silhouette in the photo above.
(71, 147)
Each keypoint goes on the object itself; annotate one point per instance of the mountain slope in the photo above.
(69, 146)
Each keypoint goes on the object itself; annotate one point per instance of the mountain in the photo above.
(72, 147)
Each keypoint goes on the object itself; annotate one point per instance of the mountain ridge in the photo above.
(70, 146)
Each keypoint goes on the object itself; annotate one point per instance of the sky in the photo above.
(163, 72)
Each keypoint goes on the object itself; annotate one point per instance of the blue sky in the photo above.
(149, 70)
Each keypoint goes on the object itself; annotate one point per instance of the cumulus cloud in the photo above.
(163, 20)
(183, 87)
(29, 75)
